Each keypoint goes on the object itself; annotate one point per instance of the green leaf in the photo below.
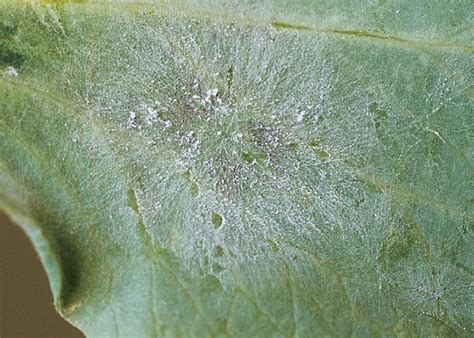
(244, 169)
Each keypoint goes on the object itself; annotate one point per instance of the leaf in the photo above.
(244, 169)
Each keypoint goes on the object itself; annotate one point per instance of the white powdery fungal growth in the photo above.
(132, 122)
(253, 94)
(211, 98)
(148, 113)
(151, 116)
(11, 71)
(300, 116)
(282, 158)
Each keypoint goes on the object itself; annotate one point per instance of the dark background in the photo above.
(26, 302)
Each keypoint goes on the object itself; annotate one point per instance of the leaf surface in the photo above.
(244, 168)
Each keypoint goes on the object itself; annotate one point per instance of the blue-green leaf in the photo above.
(244, 168)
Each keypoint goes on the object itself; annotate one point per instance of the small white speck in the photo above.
(152, 115)
(168, 124)
(196, 83)
(132, 122)
(300, 116)
(11, 71)
(211, 94)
